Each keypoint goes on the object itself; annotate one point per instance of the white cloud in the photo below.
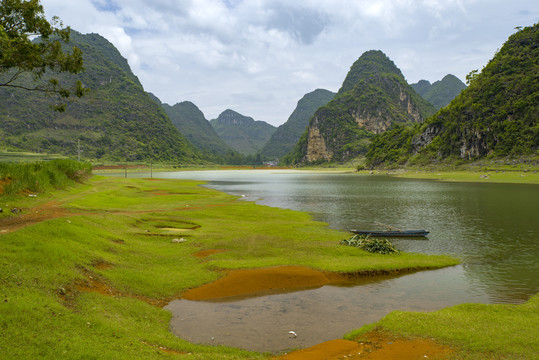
(259, 57)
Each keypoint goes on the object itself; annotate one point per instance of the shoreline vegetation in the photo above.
(86, 270)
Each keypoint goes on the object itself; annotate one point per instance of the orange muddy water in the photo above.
(244, 282)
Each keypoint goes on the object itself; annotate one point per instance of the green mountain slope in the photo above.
(192, 123)
(287, 135)
(242, 133)
(495, 116)
(117, 120)
(441, 92)
(373, 97)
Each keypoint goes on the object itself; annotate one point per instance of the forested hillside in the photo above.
(441, 92)
(242, 133)
(497, 115)
(192, 123)
(287, 135)
(373, 97)
(116, 120)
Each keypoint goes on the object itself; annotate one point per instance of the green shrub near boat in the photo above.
(372, 245)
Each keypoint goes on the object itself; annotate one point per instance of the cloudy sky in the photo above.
(259, 57)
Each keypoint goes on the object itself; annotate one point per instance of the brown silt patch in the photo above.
(243, 282)
(376, 345)
(46, 211)
(205, 253)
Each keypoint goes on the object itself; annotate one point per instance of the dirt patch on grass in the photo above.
(26, 217)
(94, 283)
(205, 253)
(242, 282)
(2, 184)
(375, 345)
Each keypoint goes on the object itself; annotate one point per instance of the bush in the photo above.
(16, 178)
(372, 245)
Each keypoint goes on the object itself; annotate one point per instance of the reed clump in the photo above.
(372, 245)
(38, 177)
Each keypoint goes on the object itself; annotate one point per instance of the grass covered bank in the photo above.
(474, 331)
(486, 176)
(37, 177)
(89, 283)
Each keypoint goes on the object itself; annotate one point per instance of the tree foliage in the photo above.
(442, 92)
(31, 45)
(242, 133)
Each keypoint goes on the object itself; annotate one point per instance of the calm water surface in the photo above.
(493, 228)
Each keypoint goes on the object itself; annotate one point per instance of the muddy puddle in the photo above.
(263, 320)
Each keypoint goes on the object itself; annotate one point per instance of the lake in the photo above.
(492, 228)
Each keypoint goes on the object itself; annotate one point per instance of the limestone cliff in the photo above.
(287, 135)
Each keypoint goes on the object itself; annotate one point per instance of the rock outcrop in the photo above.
(287, 135)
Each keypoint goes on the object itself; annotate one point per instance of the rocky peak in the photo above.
(230, 117)
(373, 62)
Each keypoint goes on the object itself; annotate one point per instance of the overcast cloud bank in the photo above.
(259, 57)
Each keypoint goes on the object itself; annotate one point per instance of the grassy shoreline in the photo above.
(89, 283)
(485, 176)
(475, 331)
(509, 176)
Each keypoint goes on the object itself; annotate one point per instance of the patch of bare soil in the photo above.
(205, 253)
(242, 282)
(94, 283)
(375, 345)
(26, 217)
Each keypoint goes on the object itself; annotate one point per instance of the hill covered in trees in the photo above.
(495, 116)
(242, 133)
(116, 120)
(287, 135)
(373, 97)
(192, 123)
(441, 92)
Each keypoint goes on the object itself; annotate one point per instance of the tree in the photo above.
(29, 44)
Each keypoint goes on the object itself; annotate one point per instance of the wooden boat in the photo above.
(392, 233)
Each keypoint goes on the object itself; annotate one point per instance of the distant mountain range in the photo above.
(116, 121)
(373, 97)
(495, 116)
(375, 113)
(441, 92)
(192, 123)
(287, 135)
(242, 133)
